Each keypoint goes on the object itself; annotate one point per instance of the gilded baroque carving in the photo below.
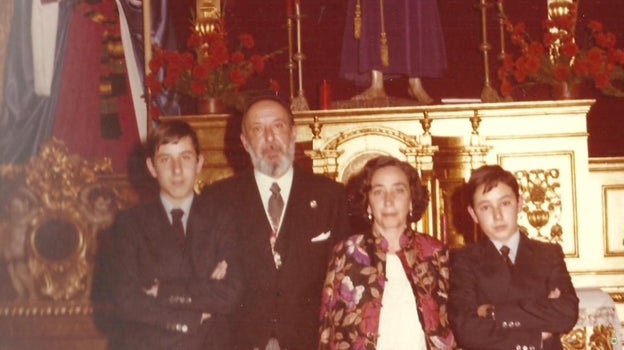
(407, 140)
(540, 190)
(574, 340)
(602, 338)
(617, 297)
(57, 205)
(600, 322)
(325, 157)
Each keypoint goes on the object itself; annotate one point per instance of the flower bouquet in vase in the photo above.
(559, 61)
(211, 71)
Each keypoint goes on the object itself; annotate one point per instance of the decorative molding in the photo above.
(606, 164)
(343, 137)
(561, 221)
(613, 221)
(56, 309)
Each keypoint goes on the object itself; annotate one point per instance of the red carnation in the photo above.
(238, 77)
(258, 63)
(581, 68)
(602, 81)
(153, 84)
(595, 26)
(193, 41)
(605, 40)
(187, 60)
(570, 49)
(506, 87)
(172, 76)
(237, 57)
(201, 72)
(246, 40)
(156, 63)
(274, 84)
(154, 112)
(198, 88)
(561, 72)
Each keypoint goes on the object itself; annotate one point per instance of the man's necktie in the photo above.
(178, 226)
(276, 205)
(505, 252)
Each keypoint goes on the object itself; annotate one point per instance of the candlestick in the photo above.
(488, 94)
(299, 103)
(290, 66)
(147, 50)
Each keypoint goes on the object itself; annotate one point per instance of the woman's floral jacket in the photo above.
(355, 283)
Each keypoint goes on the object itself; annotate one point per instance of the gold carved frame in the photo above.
(56, 206)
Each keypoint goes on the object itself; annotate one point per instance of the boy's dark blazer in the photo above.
(285, 302)
(523, 310)
(147, 251)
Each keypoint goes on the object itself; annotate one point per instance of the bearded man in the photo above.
(287, 222)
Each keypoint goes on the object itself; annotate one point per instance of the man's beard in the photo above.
(274, 168)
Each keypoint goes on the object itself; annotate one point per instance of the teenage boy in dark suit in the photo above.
(178, 276)
(507, 291)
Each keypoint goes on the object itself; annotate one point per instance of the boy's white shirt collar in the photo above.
(185, 206)
(513, 243)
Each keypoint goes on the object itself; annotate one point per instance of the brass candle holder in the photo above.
(299, 102)
(488, 94)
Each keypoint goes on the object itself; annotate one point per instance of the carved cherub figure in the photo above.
(21, 209)
(100, 207)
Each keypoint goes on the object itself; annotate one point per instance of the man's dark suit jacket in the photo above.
(147, 250)
(285, 302)
(523, 310)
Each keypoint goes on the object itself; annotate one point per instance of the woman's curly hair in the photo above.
(359, 186)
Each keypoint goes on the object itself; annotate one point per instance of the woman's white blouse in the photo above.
(399, 326)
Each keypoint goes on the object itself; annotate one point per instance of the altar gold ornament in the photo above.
(540, 191)
(58, 207)
(208, 13)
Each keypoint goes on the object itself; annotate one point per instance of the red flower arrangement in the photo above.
(210, 69)
(557, 58)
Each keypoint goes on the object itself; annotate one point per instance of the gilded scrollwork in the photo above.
(325, 157)
(602, 338)
(575, 339)
(540, 190)
(407, 140)
(57, 204)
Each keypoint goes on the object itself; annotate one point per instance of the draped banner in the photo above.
(85, 97)
(26, 119)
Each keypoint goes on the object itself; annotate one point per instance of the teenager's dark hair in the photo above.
(170, 132)
(360, 185)
(489, 176)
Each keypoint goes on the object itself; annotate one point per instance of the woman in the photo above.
(387, 288)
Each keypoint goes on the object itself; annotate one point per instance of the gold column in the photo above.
(452, 166)
(421, 157)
